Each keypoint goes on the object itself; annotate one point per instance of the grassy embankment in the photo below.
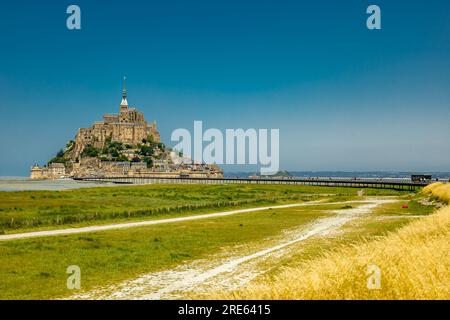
(35, 268)
(414, 264)
(22, 211)
(438, 191)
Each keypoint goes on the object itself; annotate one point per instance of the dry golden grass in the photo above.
(414, 264)
(439, 190)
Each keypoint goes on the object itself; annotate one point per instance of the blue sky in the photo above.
(343, 97)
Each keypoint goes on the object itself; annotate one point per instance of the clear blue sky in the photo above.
(343, 97)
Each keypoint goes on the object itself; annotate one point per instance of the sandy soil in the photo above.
(222, 272)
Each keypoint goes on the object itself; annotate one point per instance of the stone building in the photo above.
(123, 144)
(53, 171)
(128, 126)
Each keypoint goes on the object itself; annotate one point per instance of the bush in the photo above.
(148, 161)
(113, 147)
(116, 145)
(90, 151)
(121, 158)
(115, 153)
(57, 160)
(145, 150)
(70, 144)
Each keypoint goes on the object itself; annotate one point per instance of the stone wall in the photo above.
(93, 167)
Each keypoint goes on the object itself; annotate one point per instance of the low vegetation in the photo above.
(413, 262)
(36, 268)
(28, 210)
(438, 190)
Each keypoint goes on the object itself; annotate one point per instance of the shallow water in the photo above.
(24, 183)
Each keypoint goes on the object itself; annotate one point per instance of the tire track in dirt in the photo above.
(224, 273)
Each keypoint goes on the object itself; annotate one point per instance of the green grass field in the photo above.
(36, 268)
(34, 210)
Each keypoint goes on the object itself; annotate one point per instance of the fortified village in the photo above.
(122, 145)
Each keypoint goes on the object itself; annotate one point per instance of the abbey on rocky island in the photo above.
(123, 144)
(128, 127)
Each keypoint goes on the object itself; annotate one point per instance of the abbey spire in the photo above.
(124, 103)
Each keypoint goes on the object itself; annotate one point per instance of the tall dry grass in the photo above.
(414, 264)
(439, 190)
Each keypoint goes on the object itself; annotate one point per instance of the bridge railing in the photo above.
(344, 182)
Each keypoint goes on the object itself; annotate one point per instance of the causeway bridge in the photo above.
(380, 183)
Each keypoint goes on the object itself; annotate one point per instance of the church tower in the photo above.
(124, 103)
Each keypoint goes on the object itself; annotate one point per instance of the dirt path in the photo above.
(224, 273)
(67, 231)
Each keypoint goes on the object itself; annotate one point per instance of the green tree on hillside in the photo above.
(59, 158)
(121, 158)
(90, 151)
(145, 150)
(148, 161)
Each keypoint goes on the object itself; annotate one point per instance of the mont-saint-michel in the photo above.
(122, 144)
(301, 153)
